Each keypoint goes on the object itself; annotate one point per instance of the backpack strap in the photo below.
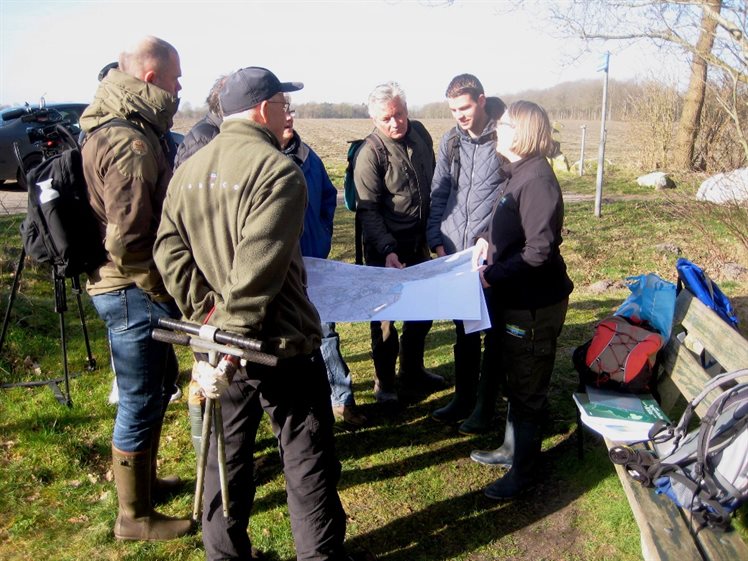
(383, 157)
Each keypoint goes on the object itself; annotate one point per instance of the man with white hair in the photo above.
(228, 248)
(127, 172)
(393, 172)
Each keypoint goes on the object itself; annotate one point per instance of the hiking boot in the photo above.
(350, 415)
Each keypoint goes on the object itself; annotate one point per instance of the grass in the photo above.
(409, 489)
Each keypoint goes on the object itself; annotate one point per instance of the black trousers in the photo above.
(385, 342)
(296, 396)
(522, 346)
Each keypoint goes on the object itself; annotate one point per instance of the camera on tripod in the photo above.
(50, 132)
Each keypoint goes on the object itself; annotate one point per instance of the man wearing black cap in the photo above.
(228, 248)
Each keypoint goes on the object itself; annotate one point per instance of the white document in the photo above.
(444, 288)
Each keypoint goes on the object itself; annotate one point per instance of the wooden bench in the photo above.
(667, 534)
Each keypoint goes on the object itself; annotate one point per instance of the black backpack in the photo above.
(60, 228)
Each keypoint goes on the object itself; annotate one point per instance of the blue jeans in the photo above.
(145, 370)
(338, 373)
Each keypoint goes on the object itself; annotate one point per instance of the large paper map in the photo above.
(444, 288)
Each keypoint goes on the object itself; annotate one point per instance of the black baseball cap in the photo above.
(251, 86)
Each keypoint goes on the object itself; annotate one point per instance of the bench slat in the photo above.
(665, 536)
(723, 343)
(720, 547)
(683, 375)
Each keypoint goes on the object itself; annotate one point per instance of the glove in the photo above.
(213, 380)
(480, 253)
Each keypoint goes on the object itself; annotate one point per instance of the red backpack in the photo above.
(620, 356)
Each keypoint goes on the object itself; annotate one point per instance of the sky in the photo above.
(339, 49)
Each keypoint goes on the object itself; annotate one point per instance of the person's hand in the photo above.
(480, 253)
(439, 249)
(213, 380)
(392, 261)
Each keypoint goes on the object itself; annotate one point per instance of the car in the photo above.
(25, 125)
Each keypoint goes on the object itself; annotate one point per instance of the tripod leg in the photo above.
(76, 288)
(12, 297)
(61, 307)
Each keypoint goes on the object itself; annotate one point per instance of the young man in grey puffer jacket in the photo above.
(463, 192)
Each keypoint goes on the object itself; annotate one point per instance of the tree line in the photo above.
(569, 100)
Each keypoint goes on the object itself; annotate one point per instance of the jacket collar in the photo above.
(125, 97)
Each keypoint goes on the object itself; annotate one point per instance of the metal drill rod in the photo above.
(219, 336)
(221, 450)
(203, 345)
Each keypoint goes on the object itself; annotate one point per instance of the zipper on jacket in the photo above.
(467, 200)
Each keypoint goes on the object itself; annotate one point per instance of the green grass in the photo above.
(409, 489)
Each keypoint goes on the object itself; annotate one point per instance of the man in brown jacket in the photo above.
(127, 173)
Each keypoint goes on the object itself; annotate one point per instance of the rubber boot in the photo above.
(414, 377)
(136, 519)
(384, 345)
(480, 419)
(503, 455)
(527, 444)
(161, 488)
(467, 372)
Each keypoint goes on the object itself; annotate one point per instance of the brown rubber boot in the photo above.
(136, 519)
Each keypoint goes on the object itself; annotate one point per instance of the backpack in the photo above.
(60, 228)
(704, 471)
(705, 289)
(620, 356)
(349, 186)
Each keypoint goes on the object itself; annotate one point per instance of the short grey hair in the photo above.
(383, 94)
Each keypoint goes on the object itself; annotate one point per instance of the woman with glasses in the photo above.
(528, 289)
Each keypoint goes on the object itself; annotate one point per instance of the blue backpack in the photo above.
(705, 289)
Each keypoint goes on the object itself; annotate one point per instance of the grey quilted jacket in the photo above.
(460, 212)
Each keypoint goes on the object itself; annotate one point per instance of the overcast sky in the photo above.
(339, 49)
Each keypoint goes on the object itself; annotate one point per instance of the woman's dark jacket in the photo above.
(525, 268)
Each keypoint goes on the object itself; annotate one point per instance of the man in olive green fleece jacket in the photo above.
(228, 249)
(392, 173)
(127, 174)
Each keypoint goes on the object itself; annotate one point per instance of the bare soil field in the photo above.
(329, 138)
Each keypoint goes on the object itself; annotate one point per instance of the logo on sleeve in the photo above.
(138, 146)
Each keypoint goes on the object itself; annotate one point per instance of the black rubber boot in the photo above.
(479, 421)
(414, 378)
(384, 349)
(467, 372)
(503, 455)
(527, 444)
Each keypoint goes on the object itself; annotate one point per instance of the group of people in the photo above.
(219, 240)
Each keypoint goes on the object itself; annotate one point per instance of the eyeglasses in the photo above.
(510, 125)
(286, 105)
